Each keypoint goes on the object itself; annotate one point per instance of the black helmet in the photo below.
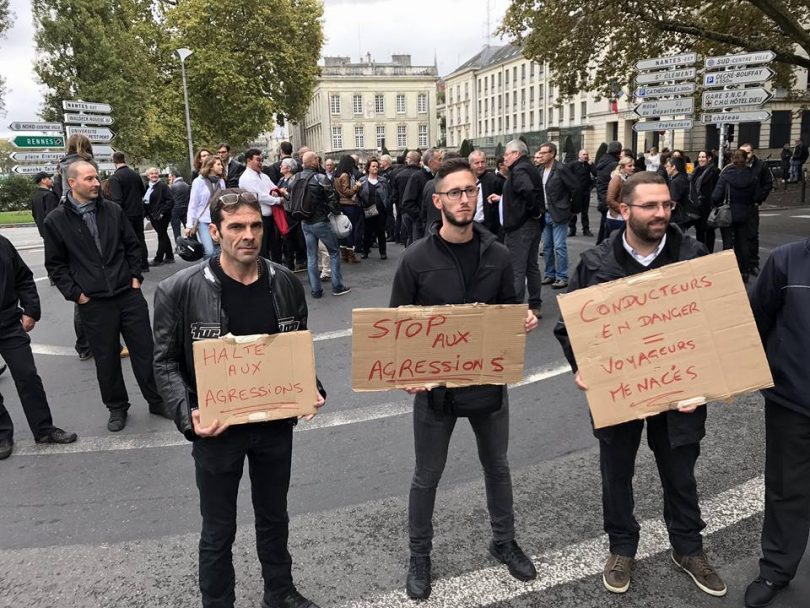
(190, 249)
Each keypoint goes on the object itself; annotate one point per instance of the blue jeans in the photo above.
(795, 170)
(313, 233)
(358, 219)
(555, 248)
(205, 239)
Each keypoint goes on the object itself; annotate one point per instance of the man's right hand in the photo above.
(214, 429)
(83, 299)
(189, 232)
(580, 384)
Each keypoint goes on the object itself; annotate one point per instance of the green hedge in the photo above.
(16, 192)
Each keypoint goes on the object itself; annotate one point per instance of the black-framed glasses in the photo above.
(455, 193)
(653, 206)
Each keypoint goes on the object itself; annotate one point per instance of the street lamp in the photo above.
(184, 54)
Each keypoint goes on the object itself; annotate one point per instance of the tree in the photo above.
(595, 45)
(6, 22)
(499, 150)
(465, 149)
(16, 192)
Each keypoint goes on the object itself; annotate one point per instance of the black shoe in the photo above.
(520, 566)
(145, 268)
(572, 232)
(57, 435)
(587, 232)
(341, 291)
(156, 263)
(762, 592)
(85, 356)
(291, 599)
(117, 421)
(364, 255)
(383, 256)
(417, 585)
(6, 447)
(168, 261)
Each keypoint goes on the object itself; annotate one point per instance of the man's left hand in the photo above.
(531, 321)
(136, 284)
(27, 322)
(318, 404)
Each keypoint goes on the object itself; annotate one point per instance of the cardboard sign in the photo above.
(243, 379)
(676, 336)
(459, 345)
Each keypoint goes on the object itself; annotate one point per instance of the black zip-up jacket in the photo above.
(763, 177)
(741, 183)
(491, 184)
(600, 264)
(181, 192)
(604, 169)
(324, 197)
(188, 307)
(42, 203)
(161, 202)
(780, 302)
(522, 194)
(127, 189)
(73, 261)
(701, 185)
(679, 192)
(412, 197)
(17, 288)
(401, 178)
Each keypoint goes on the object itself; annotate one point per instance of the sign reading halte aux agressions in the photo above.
(243, 379)
(459, 345)
(676, 336)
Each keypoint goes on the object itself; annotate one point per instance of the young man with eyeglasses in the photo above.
(647, 241)
(241, 293)
(459, 261)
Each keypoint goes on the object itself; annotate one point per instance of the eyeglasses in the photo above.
(455, 193)
(653, 206)
(232, 198)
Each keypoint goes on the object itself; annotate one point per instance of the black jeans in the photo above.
(705, 233)
(736, 237)
(432, 432)
(524, 246)
(787, 492)
(584, 204)
(137, 225)
(104, 320)
(178, 220)
(375, 229)
(676, 468)
(219, 462)
(164, 250)
(15, 348)
(82, 346)
(753, 238)
(294, 246)
(271, 247)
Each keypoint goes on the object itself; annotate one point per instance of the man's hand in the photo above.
(413, 390)
(531, 321)
(687, 410)
(206, 431)
(494, 198)
(27, 322)
(189, 232)
(580, 384)
(83, 299)
(318, 404)
(136, 284)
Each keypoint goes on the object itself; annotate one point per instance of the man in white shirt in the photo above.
(253, 180)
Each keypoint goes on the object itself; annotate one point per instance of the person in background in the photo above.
(486, 212)
(613, 218)
(274, 171)
(231, 168)
(585, 173)
(294, 245)
(347, 188)
(78, 147)
(127, 190)
(784, 163)
(373, 196)
(158, 204)
(254, 180)
(203, 188)
(701, 185)
(738, 184)
(764, 181)
(797, 158)
(604, 172)
(44, 200)
(181, 192)
(199, 160)
(653, 160)
(662, 167)
(683, 213)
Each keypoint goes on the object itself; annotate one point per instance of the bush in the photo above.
(16, 192)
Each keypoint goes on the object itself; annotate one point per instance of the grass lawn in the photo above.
(16, 217)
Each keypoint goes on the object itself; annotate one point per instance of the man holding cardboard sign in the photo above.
(648, 241)
(239, 293)
(455, 264)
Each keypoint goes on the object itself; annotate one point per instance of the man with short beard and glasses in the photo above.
(647, 241)
(459, 261)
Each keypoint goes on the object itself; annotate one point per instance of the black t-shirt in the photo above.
(249, 308)
(467, 255)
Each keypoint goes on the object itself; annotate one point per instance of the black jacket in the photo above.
(187, 308)
(701, 185)
(127, 189)
(560, 191)
(604, 169)
(181, 192)
(43, 202)
(522, 194)
(780, 302)
(427, 210)
(412, 196)
(600, 264)
(491, 183)
(764, 180)
(401, 178)
(234, 171)
(17, 288)
(585, 174)
(800, 153)
(742, 185)
(161, 202)
(679, 192)
(75, 264)
(323, 195)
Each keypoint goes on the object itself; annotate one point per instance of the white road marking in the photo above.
(494, 584)
(322, 421)
(801, 217)
(40, 279)
(332, 335)
(769, 214)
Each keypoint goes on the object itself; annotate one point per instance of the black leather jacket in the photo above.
(188, 308)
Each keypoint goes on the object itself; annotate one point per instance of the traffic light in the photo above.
(730, 133)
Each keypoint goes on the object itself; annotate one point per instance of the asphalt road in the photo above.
(113, 520)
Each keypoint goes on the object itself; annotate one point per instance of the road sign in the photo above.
(33, 169)
(665, 107)
(686, 88)
(663, 125)
(109, 167)
(669, 61)
(38, 141)
(724, 61)
(36, 157)
(36, 126)
(668, 76)
(89, 119)
(734, 117)
(736, 97)
(741, 76)
(86, 106)
(96, 134)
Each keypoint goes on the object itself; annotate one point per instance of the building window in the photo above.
(359, 137)
(479, 106)
(499, 80)
(748, 133)
(522, 99)
(506, 80)
(551, 92)
(337, 138)
(334, 104)
(531, 120)
(523, 120)
(531, 95)
(531, 71)
(402, 136)
(486, 84)
(507, 100)
(486, 106)
(514, 75)
(466, 90)
(539, 119)
(780, 128)
(540, 92)
(423, 136)
(379, 104)
(380, 136)
(421, 103)
(500, 104)
(523, 72)
(400, 103)
(500, 123)
(571, 113)
(551, 116)
(583, 110)
(507, 123)
(357, 104)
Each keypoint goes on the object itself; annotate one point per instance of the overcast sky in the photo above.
(451, 30)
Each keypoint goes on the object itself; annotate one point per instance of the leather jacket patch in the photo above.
(205, 331)
(288, 324)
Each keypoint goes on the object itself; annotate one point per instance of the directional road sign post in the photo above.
(665, 107)
(38, 141)
(669, 61)
(36, 157)
(730, 61)
(36, 126)
(668, 76)
(684, 88)
(733, 98)
(33, 169)
(88, 119)
(735, 77)
(86, 106)
(663, 125)
(734, 117)
(95, 134)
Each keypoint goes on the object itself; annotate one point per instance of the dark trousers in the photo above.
(15, 348)
(272, 245)
(104, 319)
(584, 204)
(431, 432)
(164, 250)
(390, 222)
(137, 226)
(787, 492)
(418, 229)
(753, 238)
(736, 237)
(524, 247)
(178, 219)
(603, 229)
(406, 228)
(398, 221)
(375, 229)
(356, 217)
(705, 234)
(82, 345)
(676, 468)
(219, 462)
(294, 247)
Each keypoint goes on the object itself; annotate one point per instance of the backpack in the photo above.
(301, 206)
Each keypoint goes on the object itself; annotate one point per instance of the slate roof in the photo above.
(488, 56)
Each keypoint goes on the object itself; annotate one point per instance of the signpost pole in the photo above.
(184, 54)
(722, 147)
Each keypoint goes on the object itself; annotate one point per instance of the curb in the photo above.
(30, 225)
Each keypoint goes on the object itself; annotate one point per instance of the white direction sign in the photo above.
(109, 167)
(663, 125)
(741, 76)
(101, 152)
(86, 106)
(55, 127)
(37, 157)
(734, 117)
(724, 61)
(89, 119)
(33, 169)
(665, 107)
(96, 134)
(686, 88)
(669, 61)
(736, 97)
(668, 76)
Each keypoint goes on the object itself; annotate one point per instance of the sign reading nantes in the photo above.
(86, 106)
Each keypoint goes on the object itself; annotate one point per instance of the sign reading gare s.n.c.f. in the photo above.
(677, 336)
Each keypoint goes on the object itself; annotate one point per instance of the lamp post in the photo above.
(184, 54)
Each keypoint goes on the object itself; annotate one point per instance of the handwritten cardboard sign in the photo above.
(676, 336)
(460, 345)
(243, 379)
